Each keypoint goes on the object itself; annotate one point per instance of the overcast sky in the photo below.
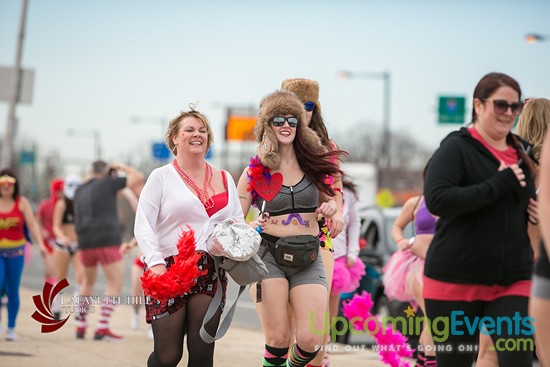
(100, 62)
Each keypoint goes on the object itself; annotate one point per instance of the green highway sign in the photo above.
(451, 110)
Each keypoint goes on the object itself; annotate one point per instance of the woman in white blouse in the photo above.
(185, 192)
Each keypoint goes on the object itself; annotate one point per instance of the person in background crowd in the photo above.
(292, 158)
(66, 242)
(99, 238)
(348, 267)
(15, 210)
(533, 127)
(480, 260)
(540, 303)
(308, 92)
(44, 214)
(137, 267)
(186, 192)
(409, 276)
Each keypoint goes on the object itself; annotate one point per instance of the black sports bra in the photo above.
(300, 198)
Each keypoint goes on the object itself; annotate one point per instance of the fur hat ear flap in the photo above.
(268, 150)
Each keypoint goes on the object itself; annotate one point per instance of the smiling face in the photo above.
(285, 134)
(191, 137)
(7, 185)
(494, 123)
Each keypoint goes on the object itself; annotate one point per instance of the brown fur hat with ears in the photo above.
(281, 103)
(307, 90)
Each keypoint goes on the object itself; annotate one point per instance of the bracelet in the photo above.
(337, 189)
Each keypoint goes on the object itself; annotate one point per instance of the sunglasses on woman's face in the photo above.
(280, 121)
(501, 106)
(7, 180)
(309, 106)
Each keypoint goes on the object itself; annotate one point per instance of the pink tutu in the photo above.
(400, 273)
(346, 279)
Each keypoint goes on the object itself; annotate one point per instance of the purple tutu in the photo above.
(401, 271)
(346, 279)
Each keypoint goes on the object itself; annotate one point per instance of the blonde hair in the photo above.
(174, 126)
(533, 123)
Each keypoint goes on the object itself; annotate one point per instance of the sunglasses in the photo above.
(7, 180)
(501, 106)
(309, 106)
(280, 121)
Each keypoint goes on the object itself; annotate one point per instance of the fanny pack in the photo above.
(295, 251)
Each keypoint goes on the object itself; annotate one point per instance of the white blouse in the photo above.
(166, 206)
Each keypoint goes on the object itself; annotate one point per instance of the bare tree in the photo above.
(407, 157)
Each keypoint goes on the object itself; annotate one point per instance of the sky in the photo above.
(99, 64)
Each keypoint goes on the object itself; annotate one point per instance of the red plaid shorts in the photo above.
(205, 284)
(103, 255)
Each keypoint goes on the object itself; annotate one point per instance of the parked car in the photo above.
(378, 246)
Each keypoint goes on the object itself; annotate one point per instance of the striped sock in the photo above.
(82, 312)
(299, 357)
(430, 361)
(107, 309)
(274, 357)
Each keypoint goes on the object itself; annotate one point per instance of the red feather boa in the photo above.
(180, 277)
(395, 343)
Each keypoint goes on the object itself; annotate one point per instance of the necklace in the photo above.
(206, 200)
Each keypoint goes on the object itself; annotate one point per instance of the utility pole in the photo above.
(8, 150)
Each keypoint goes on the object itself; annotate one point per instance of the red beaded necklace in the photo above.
(206, 200)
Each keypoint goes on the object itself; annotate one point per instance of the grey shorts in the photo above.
(312, 274)
(540, 287)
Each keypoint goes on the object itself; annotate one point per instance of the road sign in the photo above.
(451, 110)
(160, 151)
(27, 82)
(240, 128)
(27, 157)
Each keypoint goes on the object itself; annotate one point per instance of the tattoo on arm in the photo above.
(243, 198)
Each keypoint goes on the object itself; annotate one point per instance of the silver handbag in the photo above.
(234, 240)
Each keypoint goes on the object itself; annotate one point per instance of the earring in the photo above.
(263, 141)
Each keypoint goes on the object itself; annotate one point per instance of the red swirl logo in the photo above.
(43, 305)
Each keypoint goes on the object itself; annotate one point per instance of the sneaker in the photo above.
(57, 315)
(11, 335)
(80, 331)
(108, 335)
(134, 321)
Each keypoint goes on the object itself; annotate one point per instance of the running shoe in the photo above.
(107, 335)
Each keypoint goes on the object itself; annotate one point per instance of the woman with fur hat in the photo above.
(308, 92)
(287, 180)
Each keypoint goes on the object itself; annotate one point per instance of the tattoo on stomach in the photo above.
(295, 219)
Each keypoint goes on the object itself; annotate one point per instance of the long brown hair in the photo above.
(318, 166)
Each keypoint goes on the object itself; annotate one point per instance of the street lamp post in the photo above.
(385, 76)
(93, 133)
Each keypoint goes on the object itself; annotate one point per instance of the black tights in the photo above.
(505, 306)
(169, 333)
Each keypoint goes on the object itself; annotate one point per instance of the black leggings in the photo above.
(509, 344)
(169, 333)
